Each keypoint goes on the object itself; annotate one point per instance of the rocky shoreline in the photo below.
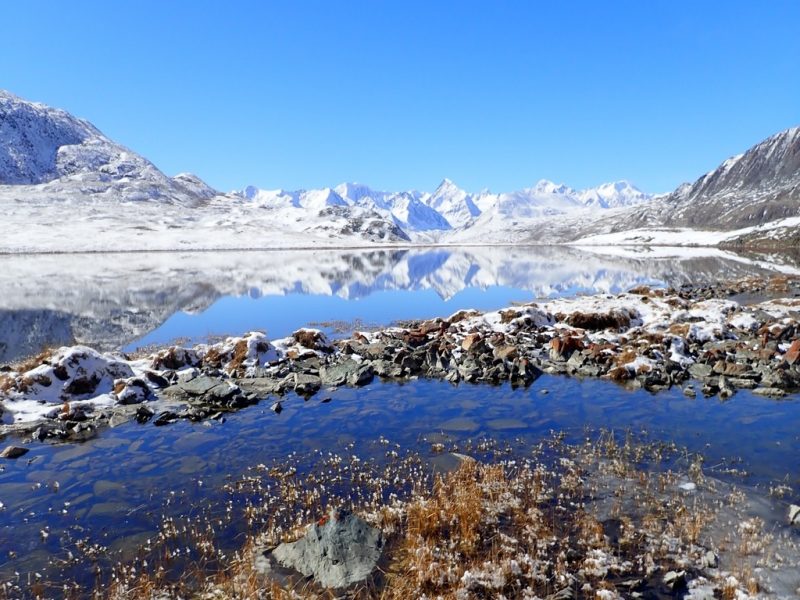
(710, 340)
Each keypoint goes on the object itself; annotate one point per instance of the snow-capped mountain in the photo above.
(450, 211)
(65, 187)
(405, 208)
(758, 186)
(613, 195)
(47, 153)
(751, 199)
(453, 203)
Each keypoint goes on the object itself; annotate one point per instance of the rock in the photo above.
(338, 551)
(13, 452)
(472, 342)
(156, 379)
(377, 350)
(523, 373)
(710, 560)
(725, 389)
(144, 414)
(615, 319)
(261, 386)
(199, 386)
(771, 392)
(506, 352)
(792, 355)
(689, 391)
(133, 390)
(277, 408)
(675, 580)
(561, 347)
(794, 514)
(363, 376)
(340, 373)
(312, 338)
(306, 385)
(700, 371)
(575, 361)
(165, 418)
(742, 384)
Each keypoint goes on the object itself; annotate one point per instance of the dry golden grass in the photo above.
(586, 518)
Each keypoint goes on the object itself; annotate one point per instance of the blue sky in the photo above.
(401, 94)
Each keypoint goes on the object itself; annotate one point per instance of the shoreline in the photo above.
(696, 337)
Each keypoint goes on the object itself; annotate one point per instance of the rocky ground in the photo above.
(711, 340)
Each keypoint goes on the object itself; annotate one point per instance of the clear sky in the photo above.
(398, 95)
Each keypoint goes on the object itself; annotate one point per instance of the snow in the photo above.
(65, 187)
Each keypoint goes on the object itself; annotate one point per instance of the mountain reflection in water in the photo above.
(114, 301)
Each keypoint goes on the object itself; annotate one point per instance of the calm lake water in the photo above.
(125, 301)
(114, 489)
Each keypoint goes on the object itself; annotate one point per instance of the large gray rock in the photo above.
(349, 372)
(337, 552)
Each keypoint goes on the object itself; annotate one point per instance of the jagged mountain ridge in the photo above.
(757, 187)
(64, 186)
(450, 208)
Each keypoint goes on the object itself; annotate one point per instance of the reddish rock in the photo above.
(615, 319)
(792, 355)
(506, 352)
(471, 341)
(619, 374)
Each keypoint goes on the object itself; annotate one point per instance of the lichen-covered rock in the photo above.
(338, 551)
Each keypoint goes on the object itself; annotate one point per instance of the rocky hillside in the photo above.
(48, 153)
(757, 187)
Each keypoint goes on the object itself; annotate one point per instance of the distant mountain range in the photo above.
(64, 186)
(448, 207)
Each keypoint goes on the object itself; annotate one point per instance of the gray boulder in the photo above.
(337, 552)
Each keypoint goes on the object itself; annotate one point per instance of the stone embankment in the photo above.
(710, 340)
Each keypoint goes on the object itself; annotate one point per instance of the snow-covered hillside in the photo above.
(752, 199)
(48, 154)
(64, 187)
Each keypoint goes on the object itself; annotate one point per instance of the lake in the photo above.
(115, 489)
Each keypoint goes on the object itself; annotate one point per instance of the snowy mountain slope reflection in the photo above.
(127, 300)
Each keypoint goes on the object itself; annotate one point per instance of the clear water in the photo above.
(116, 485)
(114, 301)
(119, 484)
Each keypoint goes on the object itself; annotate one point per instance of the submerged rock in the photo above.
(338, 551)
(13, 452)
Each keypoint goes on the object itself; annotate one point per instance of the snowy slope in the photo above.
(64, 186)
(749, 189)
(46, 153)
(751, 199)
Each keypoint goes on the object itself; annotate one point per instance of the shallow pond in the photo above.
(116, 489)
